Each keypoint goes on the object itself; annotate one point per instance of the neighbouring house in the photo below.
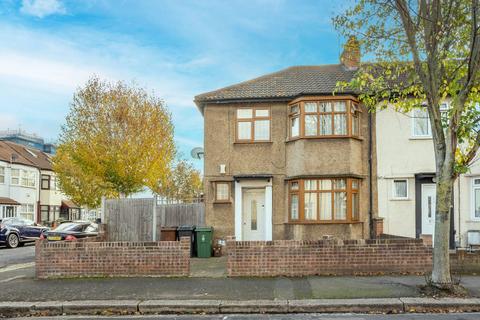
(29, 187)
(406, 179)
(285, 158)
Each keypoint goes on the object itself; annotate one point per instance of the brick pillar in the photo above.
(377, 227)
(231, 254)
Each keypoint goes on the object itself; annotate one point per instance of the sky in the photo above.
(174, 49)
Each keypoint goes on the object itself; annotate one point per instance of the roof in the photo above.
(20, 154)
(4, 200)
(69, 204)
(285, 84)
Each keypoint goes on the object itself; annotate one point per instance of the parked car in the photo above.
(15, 232)
(69, 231)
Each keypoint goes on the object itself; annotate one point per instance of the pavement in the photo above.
(209, 291)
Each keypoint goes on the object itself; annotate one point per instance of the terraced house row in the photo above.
(286, 158)
(29, 187)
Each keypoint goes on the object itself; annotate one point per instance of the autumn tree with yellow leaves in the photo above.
(117, 140)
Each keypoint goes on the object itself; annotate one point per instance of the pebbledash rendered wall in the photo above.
(327, 257)
(94, 257)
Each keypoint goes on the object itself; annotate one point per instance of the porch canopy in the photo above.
(69, 204)
(8, 202)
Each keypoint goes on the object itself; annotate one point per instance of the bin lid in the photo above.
(200, 229)
(169, 228)
(186, 228)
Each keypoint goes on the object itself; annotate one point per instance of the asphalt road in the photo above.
(19, 255)
(462, 316)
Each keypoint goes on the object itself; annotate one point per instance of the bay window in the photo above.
(324, 200)
(324, 118)
(253, 124)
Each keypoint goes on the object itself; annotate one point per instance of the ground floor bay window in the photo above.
(324, 200)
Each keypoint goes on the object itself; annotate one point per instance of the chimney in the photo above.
(350, 57)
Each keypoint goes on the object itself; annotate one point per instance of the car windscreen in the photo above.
(92, 228)
(70, 227)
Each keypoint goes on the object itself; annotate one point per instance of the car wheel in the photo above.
(12, 241)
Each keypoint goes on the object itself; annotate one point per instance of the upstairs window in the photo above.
(318, 119)
(253, 124)
(15, 177)
(421, 123)
(45, 182)
(2, 174)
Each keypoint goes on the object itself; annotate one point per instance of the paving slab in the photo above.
(445, 304)
(391, 305)
(179, 306)
(254, 306)
(101, 307)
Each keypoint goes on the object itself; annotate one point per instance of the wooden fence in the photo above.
(132, 219)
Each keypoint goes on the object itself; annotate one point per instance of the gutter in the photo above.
(370, 178)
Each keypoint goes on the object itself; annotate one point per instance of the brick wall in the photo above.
(465, 262)
(327, 257)
(94, 258)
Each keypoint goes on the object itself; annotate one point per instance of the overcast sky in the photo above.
(176, 49)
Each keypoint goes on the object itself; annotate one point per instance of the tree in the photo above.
(424, 52)
(116, 140)
(185, 183)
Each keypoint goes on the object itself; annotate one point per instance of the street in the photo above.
(464, 316)
(15, 256)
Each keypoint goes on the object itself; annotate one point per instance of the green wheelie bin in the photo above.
(203, 238)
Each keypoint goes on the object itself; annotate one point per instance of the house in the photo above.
(406, 179)
(29, 187)
(287, 159)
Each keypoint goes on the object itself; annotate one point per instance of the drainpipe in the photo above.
(370, 178)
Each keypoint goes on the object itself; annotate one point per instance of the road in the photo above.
(463, 316)
(20, 255)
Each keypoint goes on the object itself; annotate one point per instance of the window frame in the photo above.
(252, 124)
(475, 187)
(3, 174)
(349, 106)
(300, 192)
(15, 177)
(394, 195)
(229, 188)
(48, 180)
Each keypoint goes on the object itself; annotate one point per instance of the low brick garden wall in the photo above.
(327, 257)
(93, 257)
(465, 262)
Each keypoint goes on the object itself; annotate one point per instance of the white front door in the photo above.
(429, 197)
(253, 215)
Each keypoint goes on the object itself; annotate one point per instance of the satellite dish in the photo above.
(197, 153)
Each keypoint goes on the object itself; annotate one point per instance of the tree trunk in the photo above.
(441, 258)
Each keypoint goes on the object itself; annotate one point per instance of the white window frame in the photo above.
(429, 128)
(474, 188)
(444, 107)
(3, 174)
(19, 177)
(394, 195)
